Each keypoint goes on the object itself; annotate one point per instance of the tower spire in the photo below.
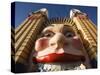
(43, 11)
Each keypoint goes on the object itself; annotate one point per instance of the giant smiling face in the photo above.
(58, 43)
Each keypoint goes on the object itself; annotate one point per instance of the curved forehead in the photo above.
(58, 28)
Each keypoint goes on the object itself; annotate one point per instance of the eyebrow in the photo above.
(69, 27)
(49, 28)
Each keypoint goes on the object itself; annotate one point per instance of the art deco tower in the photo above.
(88, 33)
(24, 36)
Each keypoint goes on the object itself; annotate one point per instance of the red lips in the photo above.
(60, 58)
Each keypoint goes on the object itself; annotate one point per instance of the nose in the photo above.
(57, 41)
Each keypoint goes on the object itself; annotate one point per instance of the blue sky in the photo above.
(22, 9)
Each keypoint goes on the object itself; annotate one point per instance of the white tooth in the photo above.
(49, 66)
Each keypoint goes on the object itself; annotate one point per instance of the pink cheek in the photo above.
(76, 43)
(41, 44)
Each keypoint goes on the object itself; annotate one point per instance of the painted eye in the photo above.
(48, 34)
(69, 34)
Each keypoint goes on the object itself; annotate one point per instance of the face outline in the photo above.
(57, 42)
